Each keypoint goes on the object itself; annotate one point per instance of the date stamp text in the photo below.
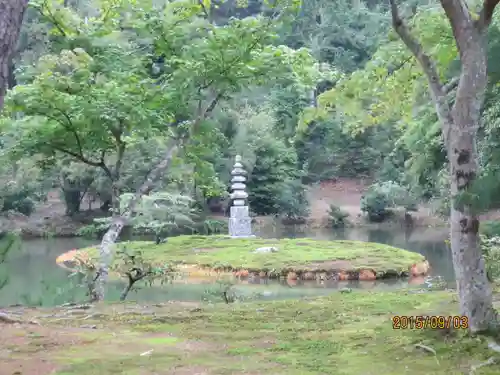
(431, 321)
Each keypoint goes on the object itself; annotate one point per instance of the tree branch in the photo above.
(451, 85)
(71, 128)
(416, 48)
(50, 17)
(428, 66)
(486, 14)
(460, 19)
(83, 159)
(76, 155)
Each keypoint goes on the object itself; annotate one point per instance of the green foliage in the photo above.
(274, 185)
(490, 228)
(132, 266)
(17, 200)
(23, 184)
(337, 217)
(212, 226)
(222, 290)
(158, 213)
(123, 75)
(326, 151)
(380, 198)
(491, 252)
(345, 35)
(8, 242)
(366, 97)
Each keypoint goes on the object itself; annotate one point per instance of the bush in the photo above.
(381, 198)
(490, 228)
(18, 201)
(292, 203)
(491, 253)
(337, 217)
(274, 185)
(157, 214)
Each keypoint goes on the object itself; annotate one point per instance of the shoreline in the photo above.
(71, 228)
(49, 219)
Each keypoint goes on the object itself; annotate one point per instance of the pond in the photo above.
(35, 279)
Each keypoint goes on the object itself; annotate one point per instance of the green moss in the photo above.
(299, 254)
(347, 334)
(490, 228)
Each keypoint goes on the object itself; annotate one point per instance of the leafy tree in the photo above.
(128, 73)
(89, 108)
(345, 35)
(458, 112)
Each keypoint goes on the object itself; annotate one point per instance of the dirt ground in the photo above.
(346, 193)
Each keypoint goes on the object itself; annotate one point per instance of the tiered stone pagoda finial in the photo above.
(240, 224)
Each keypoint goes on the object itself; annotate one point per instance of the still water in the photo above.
(35, 279)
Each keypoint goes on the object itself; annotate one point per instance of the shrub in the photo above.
(19, 201)
(274, 185)
(337, 217)
(490, 228)
(158, 213)
(292, 201)
(381, 198)
(491, 253)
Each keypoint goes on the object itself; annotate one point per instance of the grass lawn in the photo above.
(301, 254)
(347, 334)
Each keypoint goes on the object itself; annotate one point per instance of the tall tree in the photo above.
(459, 123)
(11, 18)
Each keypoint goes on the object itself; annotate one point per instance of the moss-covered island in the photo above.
(301, 258)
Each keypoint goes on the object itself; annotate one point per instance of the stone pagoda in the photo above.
(240, 223)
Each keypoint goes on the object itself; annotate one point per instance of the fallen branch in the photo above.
(4, 318)
(426, 348)
(490, 361)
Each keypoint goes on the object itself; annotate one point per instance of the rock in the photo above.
(367, 275)
(343, 276)
(241, 273)
(268, 249)
(88, 326)
(309, 276)
(420, 269)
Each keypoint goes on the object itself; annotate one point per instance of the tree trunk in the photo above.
(459, 126)
(474, 289)
(118, 222)
(11, 17)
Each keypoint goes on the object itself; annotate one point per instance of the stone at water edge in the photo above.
(367, 275)
(420, 269)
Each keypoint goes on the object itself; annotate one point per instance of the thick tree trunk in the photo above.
(459, 125)
(474, 289)
(118, 222)
(11, 17)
